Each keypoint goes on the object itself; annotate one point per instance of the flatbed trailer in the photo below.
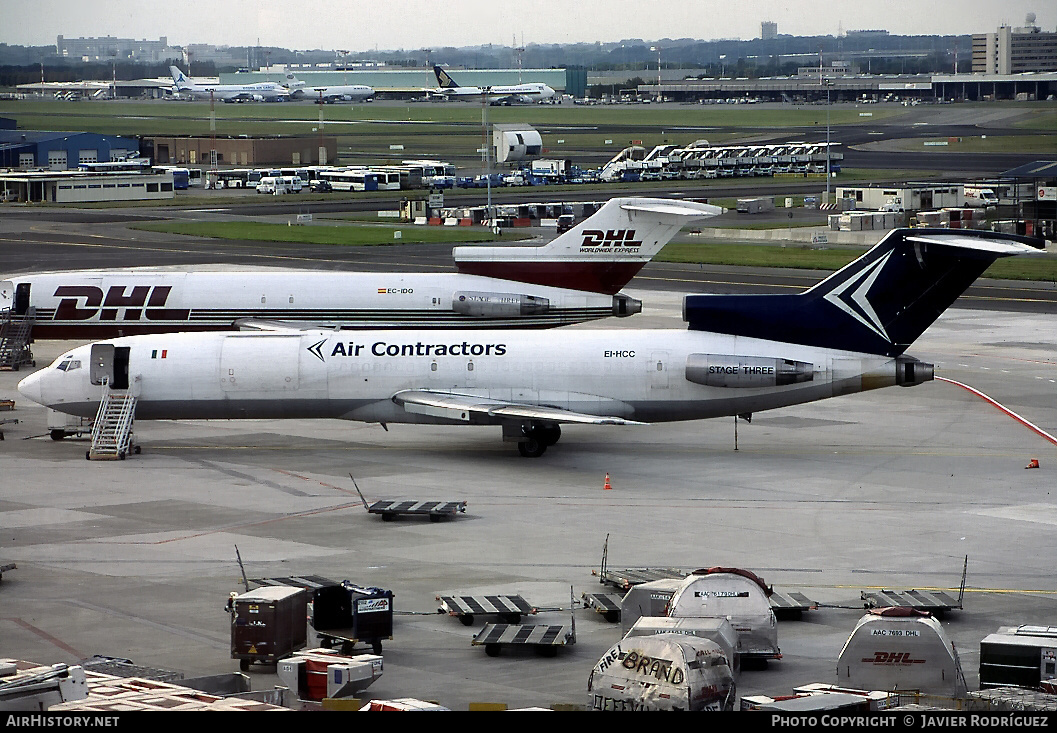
(544, 638)
(936, 602)
(625, 578)
(435, 510)
(509, 608)
(390, 509)
(606, 604)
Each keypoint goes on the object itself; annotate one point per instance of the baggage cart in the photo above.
(345, 614)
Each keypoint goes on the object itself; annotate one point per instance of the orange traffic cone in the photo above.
(606, 486)
(1033, 463)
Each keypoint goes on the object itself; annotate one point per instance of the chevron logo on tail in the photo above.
(856, 302)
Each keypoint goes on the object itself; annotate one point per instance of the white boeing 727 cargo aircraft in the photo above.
(741, 354)
(573, 278)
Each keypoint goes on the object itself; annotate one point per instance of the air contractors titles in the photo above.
(384, 348)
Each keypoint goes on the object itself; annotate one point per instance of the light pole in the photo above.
(658, 50)
(828, 83)
(345, 65)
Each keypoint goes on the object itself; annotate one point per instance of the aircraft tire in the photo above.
(531, 447)
(550, 434)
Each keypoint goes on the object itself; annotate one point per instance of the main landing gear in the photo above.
(536, 437)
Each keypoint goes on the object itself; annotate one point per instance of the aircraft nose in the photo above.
(30, 387)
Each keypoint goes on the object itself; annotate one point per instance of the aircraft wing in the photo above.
(463, 407)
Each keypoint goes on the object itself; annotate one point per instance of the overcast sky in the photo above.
(412, 24)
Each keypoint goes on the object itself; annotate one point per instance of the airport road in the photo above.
(888, 489)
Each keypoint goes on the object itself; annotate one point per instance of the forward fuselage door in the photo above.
(21, 303)
(110, 364)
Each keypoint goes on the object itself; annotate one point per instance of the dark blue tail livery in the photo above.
(878, 304)
(445, 81)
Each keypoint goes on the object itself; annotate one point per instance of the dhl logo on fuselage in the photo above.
(143, 300)
(613, 240)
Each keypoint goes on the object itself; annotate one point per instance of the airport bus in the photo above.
(344, 179)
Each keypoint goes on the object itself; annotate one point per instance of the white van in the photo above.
(978, 196)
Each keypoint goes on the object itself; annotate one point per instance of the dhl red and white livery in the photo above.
(575, 277)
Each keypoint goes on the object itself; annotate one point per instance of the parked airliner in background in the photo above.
(264, 91)
(741, 354)
(517, 93)
(575, 277)
(328, 93)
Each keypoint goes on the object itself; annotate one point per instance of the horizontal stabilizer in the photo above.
(878, 304)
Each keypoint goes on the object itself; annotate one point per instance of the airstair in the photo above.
(15, 334)
(112, 429)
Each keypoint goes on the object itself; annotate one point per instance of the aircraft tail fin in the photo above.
(443, 79)
(601, 254)
(178, 76)
(292, 82)
(878, 304)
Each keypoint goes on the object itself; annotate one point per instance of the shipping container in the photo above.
(268, 624)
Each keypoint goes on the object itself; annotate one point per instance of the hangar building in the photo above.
(60, 151)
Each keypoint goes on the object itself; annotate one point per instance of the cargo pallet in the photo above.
(509, 608)
(390, 509)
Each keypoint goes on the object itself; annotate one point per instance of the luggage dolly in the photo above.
(390, 509)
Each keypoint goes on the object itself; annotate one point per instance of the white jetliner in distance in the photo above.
(741, 354)
(328, 93)
(520, 93)
(263, 91)
(575, 277)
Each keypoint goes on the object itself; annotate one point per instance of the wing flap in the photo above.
(463, 407)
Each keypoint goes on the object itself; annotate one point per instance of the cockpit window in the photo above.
(68, 365)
